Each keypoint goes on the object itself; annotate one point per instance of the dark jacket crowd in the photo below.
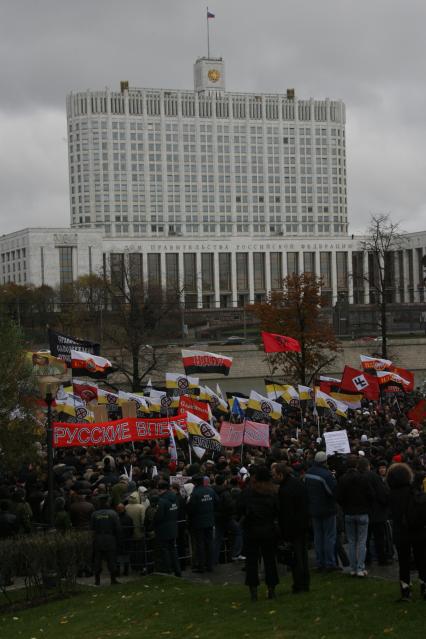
(147, 512)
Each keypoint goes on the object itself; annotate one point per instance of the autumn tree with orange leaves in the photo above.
(295, 311)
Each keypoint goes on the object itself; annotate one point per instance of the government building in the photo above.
(217, 194)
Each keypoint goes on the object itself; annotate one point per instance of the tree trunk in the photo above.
(384, 327)
(135, 370)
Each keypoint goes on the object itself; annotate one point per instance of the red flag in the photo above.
(194, 406)
(418, 412)
(360, 382)
(407, 375)
(372, 392)
(274, 343)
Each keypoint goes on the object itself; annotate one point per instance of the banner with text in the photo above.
(121, 431)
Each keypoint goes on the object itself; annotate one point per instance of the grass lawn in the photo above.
(337, 606)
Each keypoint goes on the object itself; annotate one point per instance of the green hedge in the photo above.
(45, 561)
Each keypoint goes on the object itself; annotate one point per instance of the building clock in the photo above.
(213, 75)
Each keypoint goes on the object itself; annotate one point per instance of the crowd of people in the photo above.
(149, 512)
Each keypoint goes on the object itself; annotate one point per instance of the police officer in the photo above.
(201, 510)
(105, 524)
(166, 528)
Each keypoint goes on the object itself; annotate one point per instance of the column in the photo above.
(365, 276)
(250, 276)
(416, 278)
(406, 275)
(300, 265)
(163, 271)
(234, 279)
(284, 265)
(216, 280)
(145, 270)
(317, 264)
(397, 276)
(181, 281)
(268, 272)
(198, 280)
(350, 278)
(333, 277)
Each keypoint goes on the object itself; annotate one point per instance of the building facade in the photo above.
(206, 163)
(219, 195)
(213, 272)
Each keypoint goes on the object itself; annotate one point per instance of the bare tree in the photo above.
(296, 311)
(138, 312)
(382, 237)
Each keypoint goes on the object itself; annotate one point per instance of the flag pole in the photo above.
(208, 34)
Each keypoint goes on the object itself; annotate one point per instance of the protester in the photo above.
(124, 546)
(321, 488)
(225, 524)
(294, 523)
(408, 507)
(355, 494)
(258, 513)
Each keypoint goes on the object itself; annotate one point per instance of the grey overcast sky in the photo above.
(371, 54)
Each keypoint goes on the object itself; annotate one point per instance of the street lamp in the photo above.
(48, 388)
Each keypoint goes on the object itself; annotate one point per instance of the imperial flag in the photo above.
(204, 362)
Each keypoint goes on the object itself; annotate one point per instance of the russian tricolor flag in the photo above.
(210, 14)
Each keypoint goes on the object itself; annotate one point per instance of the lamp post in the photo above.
(48, 388)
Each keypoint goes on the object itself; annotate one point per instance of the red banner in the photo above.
(249, 433)
(256, 434)
(194, 406)
(121, 431)
(231, 435)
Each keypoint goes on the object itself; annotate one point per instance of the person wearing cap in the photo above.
(321, 488)
(201, 511)
(166, 528)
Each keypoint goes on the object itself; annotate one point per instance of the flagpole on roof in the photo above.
(208, 34)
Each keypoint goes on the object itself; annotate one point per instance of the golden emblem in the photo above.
(213, 75)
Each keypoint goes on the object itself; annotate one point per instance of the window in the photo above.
(65, 265)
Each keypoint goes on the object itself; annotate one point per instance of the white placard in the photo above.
(337, 442)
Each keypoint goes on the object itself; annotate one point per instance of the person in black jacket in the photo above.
(409, 527)
(294, 523)
(105, 525)
(201, 508)
(166, 528)
(355, 495)
(378, 515)
(258, 512)
(225, 523)
(125, 542)
(9, 524)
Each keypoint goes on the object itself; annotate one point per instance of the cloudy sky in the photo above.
(370, 54)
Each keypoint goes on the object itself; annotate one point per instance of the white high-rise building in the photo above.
(207, 162)
(218, 194)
